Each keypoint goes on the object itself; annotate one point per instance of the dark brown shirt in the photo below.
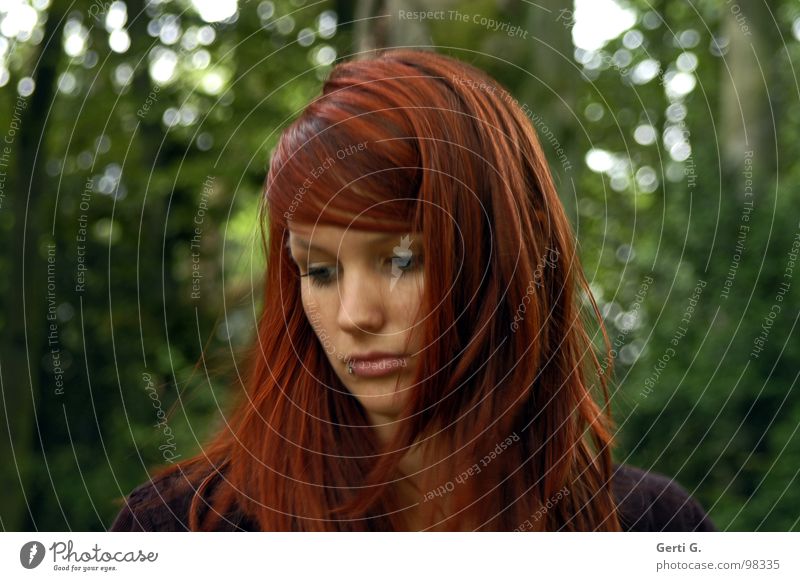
(647, 501)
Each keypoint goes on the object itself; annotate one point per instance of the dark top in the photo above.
(647, 501)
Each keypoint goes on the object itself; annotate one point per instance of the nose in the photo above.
(362, 308)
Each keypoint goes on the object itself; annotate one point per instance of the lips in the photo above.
(374, 356)
(376, 364)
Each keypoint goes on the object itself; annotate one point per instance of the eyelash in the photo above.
(320, 277)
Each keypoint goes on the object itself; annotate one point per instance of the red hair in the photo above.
(506, 378)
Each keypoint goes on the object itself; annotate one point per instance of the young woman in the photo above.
(421, 362)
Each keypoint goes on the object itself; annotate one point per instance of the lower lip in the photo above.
(379, 367)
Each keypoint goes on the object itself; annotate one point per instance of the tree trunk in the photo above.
(551, 95)
(378, 24)
(747, 122)
(24, 345)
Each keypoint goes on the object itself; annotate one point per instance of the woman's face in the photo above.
(361, 292)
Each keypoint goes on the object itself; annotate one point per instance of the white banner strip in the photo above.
(400, 556)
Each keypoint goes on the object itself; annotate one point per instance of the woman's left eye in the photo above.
(406, 262)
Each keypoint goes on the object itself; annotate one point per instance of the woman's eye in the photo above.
(319, 276)
(323, 276)
(406, 262)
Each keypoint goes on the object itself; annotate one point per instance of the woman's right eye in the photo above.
(320, 276)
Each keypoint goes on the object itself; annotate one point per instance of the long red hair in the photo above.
(504, 405)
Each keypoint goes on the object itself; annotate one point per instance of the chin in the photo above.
(384, 403)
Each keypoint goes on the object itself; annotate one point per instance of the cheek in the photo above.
(311, 309)
(319, 314)
(408, 304)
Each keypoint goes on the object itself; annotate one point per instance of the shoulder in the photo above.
(162, 504)
(649, 501)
